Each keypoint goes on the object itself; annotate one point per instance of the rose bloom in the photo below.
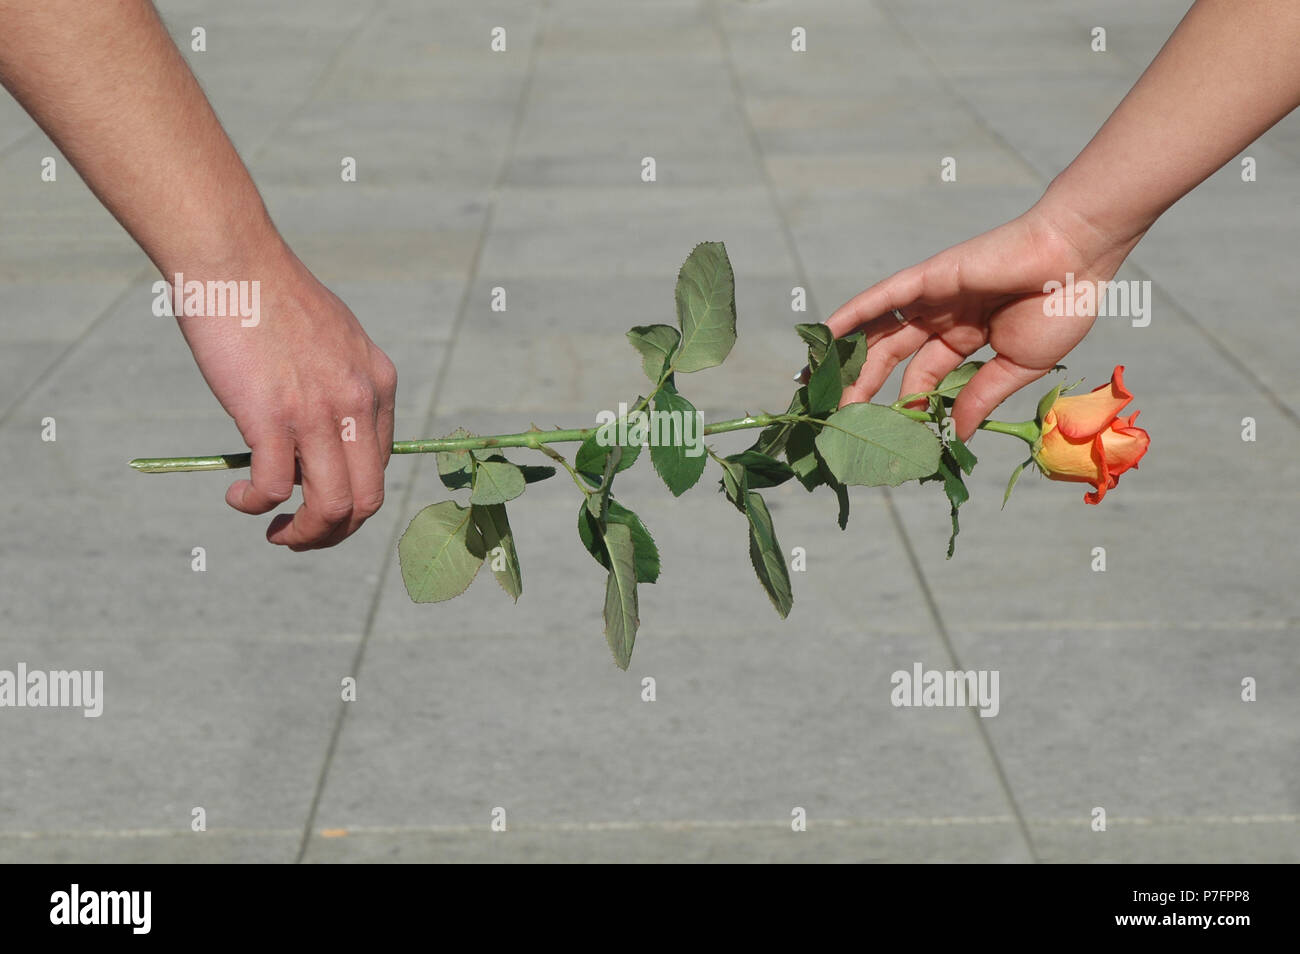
(1085, 439)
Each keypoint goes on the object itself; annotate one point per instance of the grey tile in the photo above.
(21, 365)
(1120, 689)
(237, 727)
(134, 363)
(52, 311)
(490, 723)
(1242, 840)
(727, 844)
(154, 847)
(1145, 722)
(1170, 557)
(124, 542)
(641, 229)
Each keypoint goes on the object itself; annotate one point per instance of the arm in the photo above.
(1228, 73)
(107, 84)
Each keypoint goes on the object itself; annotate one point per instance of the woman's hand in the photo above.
(988, 290)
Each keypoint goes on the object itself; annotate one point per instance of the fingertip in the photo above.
(277, 526)
(840, 323)
(966, 417)
(236, 492)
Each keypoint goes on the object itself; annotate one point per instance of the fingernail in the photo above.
(802, 376)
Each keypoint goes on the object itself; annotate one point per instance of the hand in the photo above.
(290, 382)
(988, 290)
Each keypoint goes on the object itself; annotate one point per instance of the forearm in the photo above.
(1229, 72)
(106, 83)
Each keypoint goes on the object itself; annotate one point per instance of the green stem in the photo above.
(560, 459)
(537, 440)
(1027, 431)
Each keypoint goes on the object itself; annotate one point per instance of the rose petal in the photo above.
(1087, 415)
(1064, 459)
(1108, 482)
(1124, 445)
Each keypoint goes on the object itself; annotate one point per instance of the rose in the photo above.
(859, 444)
(1084, 438)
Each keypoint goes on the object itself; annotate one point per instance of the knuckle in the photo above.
(277, 492)
(385, 374)
(335, 509)
(369, 503)
(283, 413)
(358, 395)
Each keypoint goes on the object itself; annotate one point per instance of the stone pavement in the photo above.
(521, 169)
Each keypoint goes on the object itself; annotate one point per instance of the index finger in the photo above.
(896, 291)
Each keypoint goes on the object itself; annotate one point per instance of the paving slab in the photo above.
(520, 169)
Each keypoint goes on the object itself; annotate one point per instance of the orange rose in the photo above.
(1085, 439)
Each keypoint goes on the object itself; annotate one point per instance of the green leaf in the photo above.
(590, 459)
(495, 482)
(822, 475)
(643, 544)
(956, 529)
(455, 468)
(853, 355)
(533, 473)
(962, 455)
(771, 439)
(842, 495)
(955, 489)
(764, 471)
(706, 308)
(437, 552)
(673, 460)
(801, 452)
(621, 613)
(817, 337)
(734, 483)
(765, 553)
(851, 350)
(1015, 476)
(656, 344)
(873, 445)
(494, 528)
(598, 503)
(764, 550)
(955, 460)
(824, 387)
(957, 379)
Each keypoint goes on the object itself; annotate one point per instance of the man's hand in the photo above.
(113, 92)
(312, 396)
